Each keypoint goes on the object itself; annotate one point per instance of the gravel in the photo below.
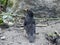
(16, 35)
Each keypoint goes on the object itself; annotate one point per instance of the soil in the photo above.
(15, 35)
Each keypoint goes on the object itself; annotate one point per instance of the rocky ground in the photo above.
(15, 35)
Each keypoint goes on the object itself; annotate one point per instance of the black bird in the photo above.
(29, 25)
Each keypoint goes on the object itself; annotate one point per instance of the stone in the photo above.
(3, 38)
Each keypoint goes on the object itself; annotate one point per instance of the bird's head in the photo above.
(26, 9)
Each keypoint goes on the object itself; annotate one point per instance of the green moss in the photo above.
(3, 2)
(1, 21)
(10, 4)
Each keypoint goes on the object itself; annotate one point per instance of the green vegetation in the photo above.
(11, 4)
(6, 3)
(1, 21)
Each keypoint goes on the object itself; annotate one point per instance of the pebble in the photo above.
(10, 24)
(3, 38)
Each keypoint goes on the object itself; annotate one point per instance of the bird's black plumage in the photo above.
(29, 23)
